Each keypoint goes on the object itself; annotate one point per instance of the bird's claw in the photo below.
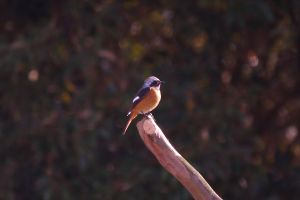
(148, 115)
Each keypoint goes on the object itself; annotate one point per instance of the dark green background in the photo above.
(230, 106)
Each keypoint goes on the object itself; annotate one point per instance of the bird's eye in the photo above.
(154, 84)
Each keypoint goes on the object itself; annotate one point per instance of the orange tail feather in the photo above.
(132, 116)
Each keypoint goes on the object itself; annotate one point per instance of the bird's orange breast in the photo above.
(149, 102)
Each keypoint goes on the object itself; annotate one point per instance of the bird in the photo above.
(146, 99)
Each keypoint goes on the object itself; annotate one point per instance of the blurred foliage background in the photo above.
(231, 103)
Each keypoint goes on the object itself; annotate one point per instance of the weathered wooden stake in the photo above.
(172, 161)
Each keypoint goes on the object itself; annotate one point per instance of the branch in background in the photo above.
(172, 161)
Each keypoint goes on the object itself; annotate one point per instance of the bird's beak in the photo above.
(162, 82)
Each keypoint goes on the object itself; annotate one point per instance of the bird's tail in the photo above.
(132, 116)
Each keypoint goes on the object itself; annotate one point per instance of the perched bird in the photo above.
(145, 100)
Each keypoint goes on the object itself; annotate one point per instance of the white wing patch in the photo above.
(136, 98)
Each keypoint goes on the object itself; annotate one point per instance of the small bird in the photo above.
(145, 100)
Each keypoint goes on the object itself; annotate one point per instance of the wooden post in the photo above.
(172, 161)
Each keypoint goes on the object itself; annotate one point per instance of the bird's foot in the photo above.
(148, 115)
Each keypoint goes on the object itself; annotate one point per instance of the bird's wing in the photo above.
(138, 97)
